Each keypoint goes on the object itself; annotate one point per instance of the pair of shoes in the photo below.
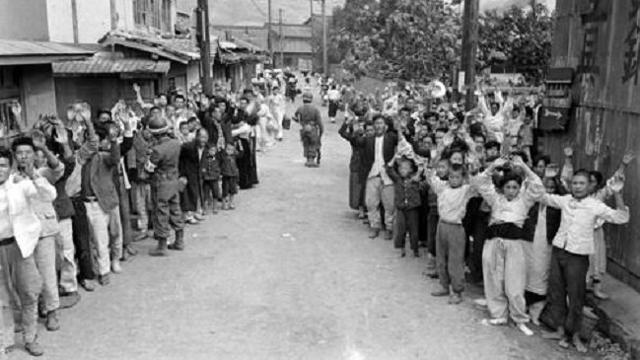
(191, 220)
(69, 299)
(198, 217)
(104, 280)
(403, 253)
(115, 267)
(440, 293)
(87, 285)
(455, 298)
(52, 323)
(388, 235)
(33, 348)
(374, 233)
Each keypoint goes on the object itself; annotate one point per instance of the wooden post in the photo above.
(325, 59)
(269, 41)
(469, 49)
(280, 39)
(204, 40)
(114, 14)
(74, 20)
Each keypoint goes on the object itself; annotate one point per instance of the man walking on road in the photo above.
(312, 129)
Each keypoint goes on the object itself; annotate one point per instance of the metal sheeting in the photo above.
(98, 65)
(38, 48)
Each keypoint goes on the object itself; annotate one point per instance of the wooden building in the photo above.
(594, 102)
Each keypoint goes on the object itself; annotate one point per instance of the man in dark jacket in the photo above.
(101, 200)
(377, 151)
(312, 129)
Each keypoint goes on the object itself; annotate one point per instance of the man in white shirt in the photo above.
(570, 257)
(19, 233)
(377, 152)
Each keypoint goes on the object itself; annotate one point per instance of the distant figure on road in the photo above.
(311, 122)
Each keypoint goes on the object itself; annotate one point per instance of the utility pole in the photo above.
(325, 59)
(280, 39)
(204, 42)
(469, 49)
(269, 41)
(311, 9)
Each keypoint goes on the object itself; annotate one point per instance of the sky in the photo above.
(254, 12)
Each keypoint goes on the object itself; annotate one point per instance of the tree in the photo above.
(517, 40)
(405, 39)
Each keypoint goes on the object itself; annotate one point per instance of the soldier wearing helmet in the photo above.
(312, 129)
(165, 187)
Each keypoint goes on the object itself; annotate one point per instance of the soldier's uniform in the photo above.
(311, 130)
(165, 189)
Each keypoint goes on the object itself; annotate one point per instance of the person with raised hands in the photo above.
(452, 195)
(572, 245)
(503, 257)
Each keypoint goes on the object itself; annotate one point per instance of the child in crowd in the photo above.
(408, 188)
(211, 172)
(503, 258)
(230, 173)
(453, 196)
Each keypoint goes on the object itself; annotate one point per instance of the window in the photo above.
(153, 14)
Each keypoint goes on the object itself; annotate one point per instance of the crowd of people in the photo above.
(475, 190)
(77, 193)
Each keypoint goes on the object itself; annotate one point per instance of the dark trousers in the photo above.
(407, 220)
(82, 241)
(125, 214)
(432, 229)
(567, 278)
(478, 230)
(166, 215)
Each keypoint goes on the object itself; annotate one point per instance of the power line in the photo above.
(259, 8)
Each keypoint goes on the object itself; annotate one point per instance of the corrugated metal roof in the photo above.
(38, 48)
(98, 65)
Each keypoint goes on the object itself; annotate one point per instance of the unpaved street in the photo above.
(290, 274)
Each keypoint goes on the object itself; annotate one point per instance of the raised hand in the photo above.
(136, 88)
(61, 136)
(628, 157)
(16, 109)
(616, 183)
(568, 151)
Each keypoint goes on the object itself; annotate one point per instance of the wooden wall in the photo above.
(600, 41)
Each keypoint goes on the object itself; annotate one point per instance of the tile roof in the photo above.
(25, 52)
(179, 50)
(98, 65)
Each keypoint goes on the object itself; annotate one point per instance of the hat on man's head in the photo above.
(157, 125)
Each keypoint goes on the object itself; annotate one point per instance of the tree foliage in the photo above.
(406, 39)
(420, 39)
(517, 40)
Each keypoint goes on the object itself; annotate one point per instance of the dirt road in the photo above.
(290, 274)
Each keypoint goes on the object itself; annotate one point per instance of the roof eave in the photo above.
(38, 59)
